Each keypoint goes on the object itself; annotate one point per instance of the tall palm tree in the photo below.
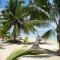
(58, 25)
(14, 16)
(56, 12)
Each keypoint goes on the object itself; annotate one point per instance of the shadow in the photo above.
(9, 42)
(50, 51)
(2, 48)
(13, 42)
(46, 55)
(38, 56)
(29, 43)
(45, 43)
(58, 52)
(53, 52)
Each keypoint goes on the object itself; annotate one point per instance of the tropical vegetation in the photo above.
(55, 8)
(24, 18)
(38, 13)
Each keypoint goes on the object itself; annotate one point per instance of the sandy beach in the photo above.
(7, 49)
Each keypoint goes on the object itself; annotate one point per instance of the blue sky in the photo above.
(4, 2)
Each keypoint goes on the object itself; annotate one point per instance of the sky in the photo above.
(31, 35)
(4, 3)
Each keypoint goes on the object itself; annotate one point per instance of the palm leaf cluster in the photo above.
(25, 18)
(38, 10)
(14, 15)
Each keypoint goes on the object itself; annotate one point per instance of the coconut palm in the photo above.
(56, 12)
(57, 5)
(16, 16)
(39, 10)
(58, 25)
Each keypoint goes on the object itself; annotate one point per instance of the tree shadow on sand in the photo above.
(53, 52)
(46, 55)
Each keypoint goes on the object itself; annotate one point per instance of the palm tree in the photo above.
(58, 25)
(39, 10)
(56, 12)
(57, 8)
(14, 15)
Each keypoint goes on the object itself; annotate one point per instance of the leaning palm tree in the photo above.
(39, 10)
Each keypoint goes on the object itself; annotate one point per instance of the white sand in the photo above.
(40, 58)
(9, 48)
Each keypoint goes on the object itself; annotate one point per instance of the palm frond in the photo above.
(47, 34)
(43, 11)
(6, 26)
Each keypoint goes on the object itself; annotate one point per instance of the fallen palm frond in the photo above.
(18, 53)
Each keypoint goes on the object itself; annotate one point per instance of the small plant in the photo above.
(25, 40)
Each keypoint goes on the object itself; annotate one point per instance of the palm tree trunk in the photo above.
(15, 30)
(58, 40)
(2, 38)
(14, 37)
(36, 44)
(58, 36)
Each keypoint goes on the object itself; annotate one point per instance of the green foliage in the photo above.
(25, 40)
(18, 53)
(58, 4)
(38, 11)
(15, 12)
(48, 33)
(14, 54)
